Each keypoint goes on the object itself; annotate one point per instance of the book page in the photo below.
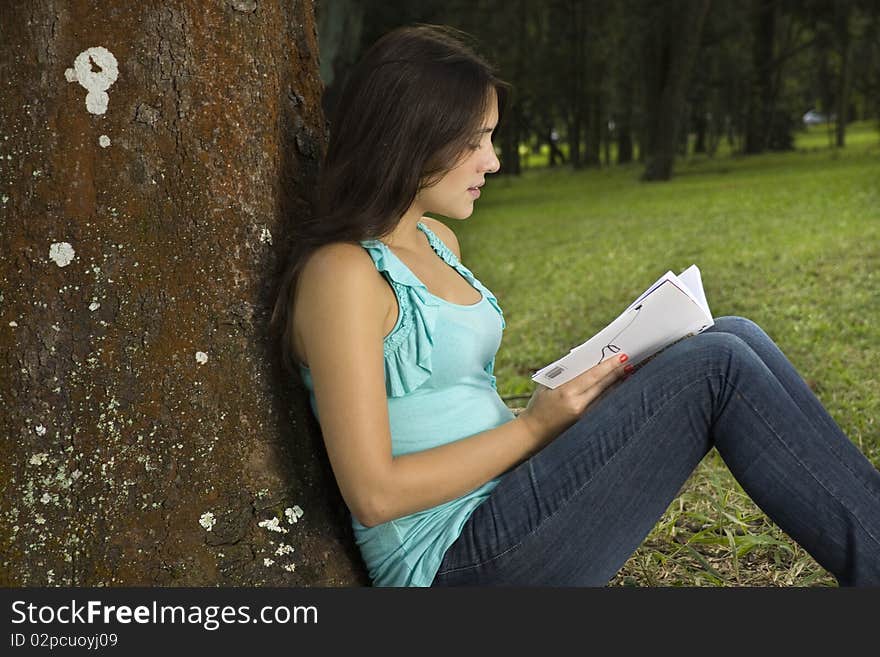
(691, 277)
(666, 312)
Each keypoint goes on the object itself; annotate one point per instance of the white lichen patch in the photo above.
(94, 82)
(40, 520)
(94, 305)
(283, 549)
(40, 429)
(289, 567)
(61, 253)
(104, 141)
(201, 357)
(39, 459)
(207, 520)
(268, 562)
(266, 236)
(46, 498)
(293, 514)
(273, 526)
(13, 323)
(247, 6)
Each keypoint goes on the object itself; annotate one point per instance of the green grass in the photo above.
(791, 241)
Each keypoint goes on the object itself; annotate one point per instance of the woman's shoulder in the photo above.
(334, 277)
(337, 263)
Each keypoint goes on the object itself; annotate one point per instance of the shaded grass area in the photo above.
(791, 241)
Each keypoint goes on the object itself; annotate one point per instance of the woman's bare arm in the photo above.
(342, 332)
(341, 327)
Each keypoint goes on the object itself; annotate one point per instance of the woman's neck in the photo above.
(407, 234)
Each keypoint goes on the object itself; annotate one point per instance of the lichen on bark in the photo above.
(140, 391)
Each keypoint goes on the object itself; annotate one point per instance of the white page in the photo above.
(667, 277)
(691, 277)
(666, 314)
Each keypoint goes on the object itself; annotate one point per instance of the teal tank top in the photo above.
(440, 386)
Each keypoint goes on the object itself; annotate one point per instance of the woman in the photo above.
(395, 340)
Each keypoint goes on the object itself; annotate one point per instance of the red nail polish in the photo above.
(623, 358)
(629, 369)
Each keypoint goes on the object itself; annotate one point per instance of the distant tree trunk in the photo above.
(158, 152)
(624, 144)
(340, 25)
(574, 141)
(842, 12)
(624, 125)
(606, 144)
(684, 131)
(510, 139)
(514, 125)
(700, 128)
(577, 87)
(671, 46)
(761, 94)
(593, 144)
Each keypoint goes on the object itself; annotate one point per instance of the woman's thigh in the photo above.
(574, 512)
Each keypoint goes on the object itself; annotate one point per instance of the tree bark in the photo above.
(150, 438)
(672, 44)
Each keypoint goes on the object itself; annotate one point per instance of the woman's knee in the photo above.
(736, 325)
(722, 349)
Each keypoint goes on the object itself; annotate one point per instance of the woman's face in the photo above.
(454, 195)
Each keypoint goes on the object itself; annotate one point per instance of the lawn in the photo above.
(790, 240)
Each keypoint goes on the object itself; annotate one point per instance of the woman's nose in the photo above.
(492, 163)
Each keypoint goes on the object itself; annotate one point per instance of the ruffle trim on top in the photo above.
(408, 349)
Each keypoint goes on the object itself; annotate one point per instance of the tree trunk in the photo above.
(624, 125)
(510, 137)
(574, 141)
(340, 25)
(593, 142)
(158, 152)
(761, 94)
(700, 128)
(672, 44)
(577, 81)
(842, 13)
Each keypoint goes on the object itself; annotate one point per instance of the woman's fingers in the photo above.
(603, 374)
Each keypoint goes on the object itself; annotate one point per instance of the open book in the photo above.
(672, 308)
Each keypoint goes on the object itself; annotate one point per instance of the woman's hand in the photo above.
(551, 411)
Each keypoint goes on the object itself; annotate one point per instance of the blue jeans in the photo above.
(573, 513)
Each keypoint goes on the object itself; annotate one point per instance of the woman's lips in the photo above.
(475, 191)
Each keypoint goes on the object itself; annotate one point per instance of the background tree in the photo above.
(154, 155)
(671, 41)
(656, 77)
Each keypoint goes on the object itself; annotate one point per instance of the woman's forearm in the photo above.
(424, 479)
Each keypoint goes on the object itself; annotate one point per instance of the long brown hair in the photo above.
(408, 111)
